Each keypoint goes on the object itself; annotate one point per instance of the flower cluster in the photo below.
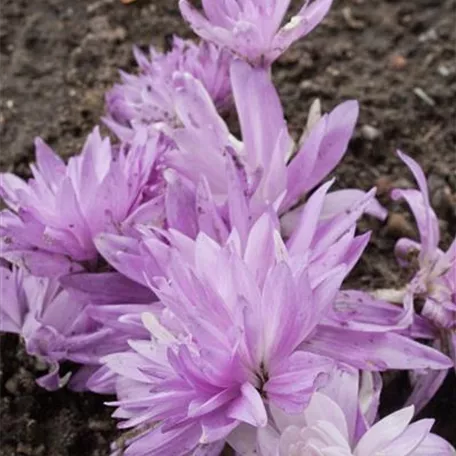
(147, 99)
(199, 275)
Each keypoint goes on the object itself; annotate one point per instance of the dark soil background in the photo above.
(397, 58)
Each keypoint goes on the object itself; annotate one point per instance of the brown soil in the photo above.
(59, 56)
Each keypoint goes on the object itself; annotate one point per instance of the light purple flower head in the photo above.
(244, 327)
(435, 278)
(334, 423)
(216, 183)
(253, 29)
(265, 166)
(53, 323)
(432, 290)
(146, 99)
(58, 319)
(53, 218)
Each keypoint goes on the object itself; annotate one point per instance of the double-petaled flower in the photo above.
(252, 29)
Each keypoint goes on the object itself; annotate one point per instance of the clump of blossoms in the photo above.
(245, 329)
(199, 276)
(432, 289)
(252, 29)
(52, 220)
(342, 421)
(147, 98)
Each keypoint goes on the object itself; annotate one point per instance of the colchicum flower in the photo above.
(57, 321)
(54, 325)
(334, 424)
(146, 99)
(264, 166)
(252, 29)
(432, 290)
(243, 328)
(53, 218)
(216, 183)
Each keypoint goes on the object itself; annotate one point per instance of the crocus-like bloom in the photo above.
(252, 28)
(147, 98)
(54, 217)
(322, 429)
(215, 183)
(54, 324)
(264, 165)
(433, 287)
(339, 421)
(58, 322)
(242, 330)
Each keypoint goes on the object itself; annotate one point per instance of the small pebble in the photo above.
(11, 386)
(40, 365)
(350, 20)
(98, 4)
(370, 133)
(383, 185)
(402, 182)
(398, 62)
(98, 425)
(429, 35)
(10, 104)
(24, 449)
(420, 93)
(398, 226)
(443, 71)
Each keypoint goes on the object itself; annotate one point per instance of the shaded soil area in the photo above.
(397, 58)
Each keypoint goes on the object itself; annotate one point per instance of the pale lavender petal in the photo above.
(383, 432)
(260, 112)
(342, 388)
(302, 164)
(304, 233)
(300, 25)
(410, 439)
(249, 408)
(425, 386)
(243, 439)
(202, 26)
(375, 352)
(339, 129)
(435, 445)
(369, 397)
(360, 311)
(430, 234)
(341, 200)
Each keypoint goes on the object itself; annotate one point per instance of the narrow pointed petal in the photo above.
(300, 25)
(383, 432)
(375, 351)
(249, 408)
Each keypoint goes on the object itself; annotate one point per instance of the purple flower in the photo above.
(252, 28)
(245, 327)
(432, 290)
(54, 325)
(435, 278)
(264, 166)
(54, 217)
(58, 322)
(334, 424)
(147, 98)
(215, 183)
